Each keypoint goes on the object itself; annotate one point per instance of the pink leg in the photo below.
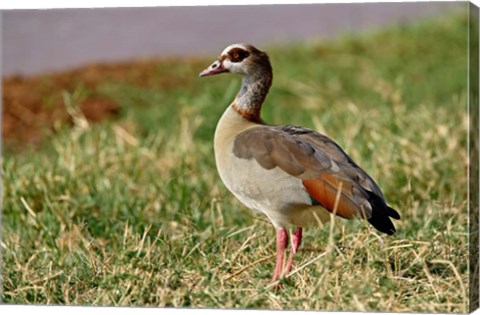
(296, 240)
(282, 242)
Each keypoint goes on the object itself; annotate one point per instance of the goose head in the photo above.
(243, 59)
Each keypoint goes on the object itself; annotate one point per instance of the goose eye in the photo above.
(237, 54)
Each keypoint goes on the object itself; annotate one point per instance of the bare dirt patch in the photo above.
(33, 106)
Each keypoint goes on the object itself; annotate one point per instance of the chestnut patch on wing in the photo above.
(237, 54)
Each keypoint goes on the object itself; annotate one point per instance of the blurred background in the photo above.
(38, 41)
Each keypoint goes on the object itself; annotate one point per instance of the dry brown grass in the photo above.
(132, 211)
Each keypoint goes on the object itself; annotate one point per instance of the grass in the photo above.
(131, 211)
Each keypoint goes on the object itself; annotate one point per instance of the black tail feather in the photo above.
(381, 214)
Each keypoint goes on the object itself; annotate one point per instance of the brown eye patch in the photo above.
(237, 54)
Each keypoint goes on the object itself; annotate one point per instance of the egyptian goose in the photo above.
(293, 175)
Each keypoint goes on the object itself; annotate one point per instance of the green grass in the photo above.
(132, 212)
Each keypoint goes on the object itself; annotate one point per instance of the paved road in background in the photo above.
(37, 41)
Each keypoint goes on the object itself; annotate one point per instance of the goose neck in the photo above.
(251, 96)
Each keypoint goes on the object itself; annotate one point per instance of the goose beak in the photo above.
(214, 68)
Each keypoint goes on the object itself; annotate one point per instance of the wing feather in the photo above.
(325, 169)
